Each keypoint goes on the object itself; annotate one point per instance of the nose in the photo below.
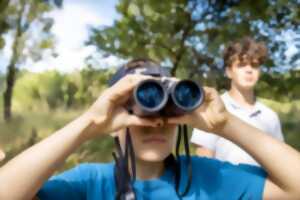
(249, 68)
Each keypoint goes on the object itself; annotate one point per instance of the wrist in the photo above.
(226, 129)
(221, 123)
(93, 125)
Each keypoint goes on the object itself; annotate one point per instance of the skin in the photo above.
(150, 159)
(107, 115)
(2, 155)
(243, 76)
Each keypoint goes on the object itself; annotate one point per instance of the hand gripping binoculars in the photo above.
(165, 97)
(162, 96)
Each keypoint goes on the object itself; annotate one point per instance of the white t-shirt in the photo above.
(260, 117)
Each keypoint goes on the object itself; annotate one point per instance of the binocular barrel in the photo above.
(166, 98)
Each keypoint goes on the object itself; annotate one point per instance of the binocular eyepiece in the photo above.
(166, 97)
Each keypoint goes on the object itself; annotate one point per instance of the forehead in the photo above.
(245, 58)
(245, 61)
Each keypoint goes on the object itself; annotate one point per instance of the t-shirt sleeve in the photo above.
(71, 184)
(204, 139)
(245, 181)
(215, 179)
(277, 131)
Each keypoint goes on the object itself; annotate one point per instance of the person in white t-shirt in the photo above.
(242, 60)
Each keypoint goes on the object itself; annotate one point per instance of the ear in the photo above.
(228, 72)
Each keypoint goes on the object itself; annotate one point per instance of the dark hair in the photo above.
(245, 50)
(131, 65)
(140, 62)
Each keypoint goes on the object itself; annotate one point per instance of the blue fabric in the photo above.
(212, 179)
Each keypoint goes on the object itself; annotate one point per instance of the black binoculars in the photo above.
(165, 97)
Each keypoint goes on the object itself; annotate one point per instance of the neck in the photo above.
(149, 170)
(245, 97)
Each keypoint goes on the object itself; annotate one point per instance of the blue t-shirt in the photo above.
(211, 179)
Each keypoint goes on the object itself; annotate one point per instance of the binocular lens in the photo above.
(187, 94)
(150, 94)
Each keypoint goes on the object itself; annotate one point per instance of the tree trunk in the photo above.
(11, 71)
(10, 80)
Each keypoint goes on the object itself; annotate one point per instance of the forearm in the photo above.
(21, 177)
(278, 159)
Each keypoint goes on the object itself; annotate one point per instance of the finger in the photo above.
(134, 120)
(124, 87)
(210, 94)
(178, 120)
(128, 82)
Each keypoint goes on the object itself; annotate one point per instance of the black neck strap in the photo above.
(123, 178)
(188, 161)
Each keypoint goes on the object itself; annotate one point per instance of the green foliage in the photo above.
(21, 15)
(90, 84)
(185, 35)
(23, 19)
(51, 90)
(285, 87)
(289, 113)
(45, 102)
(189, 36)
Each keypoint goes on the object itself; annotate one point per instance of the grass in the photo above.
(29, 127)
(43, 122)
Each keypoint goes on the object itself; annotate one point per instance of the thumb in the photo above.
(178, 120)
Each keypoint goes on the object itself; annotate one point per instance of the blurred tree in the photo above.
(4, 26)
(29, 29)
(53, 90)
(189, 35)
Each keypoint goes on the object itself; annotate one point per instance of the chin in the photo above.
(248, 86)
(153, 156)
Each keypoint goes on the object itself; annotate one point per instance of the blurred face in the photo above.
(152, 144)
(243, 75)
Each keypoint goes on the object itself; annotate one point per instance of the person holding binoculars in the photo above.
(144, 166)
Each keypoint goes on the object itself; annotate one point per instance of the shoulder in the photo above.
(204, 162)
(267, 111)
(87, 172)
(211, 163)
(224, 96)
(97, 169)
(228, 101)
(221, 176)
(217, 166)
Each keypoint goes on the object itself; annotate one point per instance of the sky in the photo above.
(71, 31)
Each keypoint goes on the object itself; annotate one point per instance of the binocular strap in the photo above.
(124, 180)
(188, 160)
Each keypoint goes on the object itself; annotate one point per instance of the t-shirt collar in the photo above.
(235, 105)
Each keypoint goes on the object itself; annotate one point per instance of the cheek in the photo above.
(257, 74)
(235, 72)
